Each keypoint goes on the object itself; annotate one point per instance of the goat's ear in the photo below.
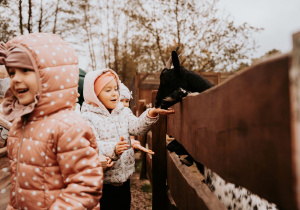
(175, 61)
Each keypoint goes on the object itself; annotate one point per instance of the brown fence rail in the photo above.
(247, 130)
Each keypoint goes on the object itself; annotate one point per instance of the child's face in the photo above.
(23, 83)
(125, 102)
(109, 95)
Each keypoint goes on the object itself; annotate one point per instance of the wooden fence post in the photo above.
(295, 110)
(142, 139)
(159, 162)
(137, 90)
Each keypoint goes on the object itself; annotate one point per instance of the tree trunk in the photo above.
(87, 28)
(29, 15)
(159, 47)
(41, 17)
(177, 23)
(20, 17)
(108, 38)
(55, 19)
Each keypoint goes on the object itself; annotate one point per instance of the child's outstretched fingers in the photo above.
(155, 111)
(165, 112)
(144, 149)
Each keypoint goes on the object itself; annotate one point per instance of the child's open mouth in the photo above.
(23, 90)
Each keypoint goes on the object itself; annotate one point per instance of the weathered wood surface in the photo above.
(186, 187)
(142, 139)
(159, 163)
(149, 157)
(242, 131)
(295, 106)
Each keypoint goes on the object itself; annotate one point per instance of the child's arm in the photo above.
(156, 111)
(141, 125)
(78, 161)
(137, 145)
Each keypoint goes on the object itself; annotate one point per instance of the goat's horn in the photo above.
(169, 62)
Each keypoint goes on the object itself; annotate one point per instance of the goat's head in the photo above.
(169, 79)
(177, 82)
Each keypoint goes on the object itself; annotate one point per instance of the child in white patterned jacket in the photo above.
(125, 96)
(113, 124)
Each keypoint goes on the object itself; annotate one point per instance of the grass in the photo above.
(146, 188)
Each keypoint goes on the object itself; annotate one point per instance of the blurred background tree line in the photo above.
(137, 35)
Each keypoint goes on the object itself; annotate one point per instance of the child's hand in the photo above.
(144, 149)
(109, 163)
(134, 142)
(121, 146)
(155, 111)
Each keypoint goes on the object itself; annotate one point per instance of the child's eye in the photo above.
(26, 70)
(11, 74)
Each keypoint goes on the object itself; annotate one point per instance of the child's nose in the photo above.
(17, 77)
(115, 92)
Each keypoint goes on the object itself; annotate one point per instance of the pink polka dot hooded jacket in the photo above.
(109, 127)
(52, 150)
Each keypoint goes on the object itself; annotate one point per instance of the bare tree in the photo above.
(87, 27)
(29, 16)
(20, 17)
(210, 41)
(41, 17)
(55, 17)
(177, 23)
(7, 31)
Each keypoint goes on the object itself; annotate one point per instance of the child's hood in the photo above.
(88, 86)
(56, 67)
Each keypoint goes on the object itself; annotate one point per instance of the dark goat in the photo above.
(176, 83)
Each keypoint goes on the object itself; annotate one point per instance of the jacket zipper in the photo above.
(18, 157)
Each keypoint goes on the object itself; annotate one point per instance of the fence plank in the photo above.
(149, 158)
(242, 130)
(186, 187)
(142, 139)
(159, 167)
(295, 106)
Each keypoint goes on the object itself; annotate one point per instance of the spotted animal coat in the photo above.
(52, 150)
(109, 127)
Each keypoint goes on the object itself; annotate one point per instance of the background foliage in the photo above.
(137, 35)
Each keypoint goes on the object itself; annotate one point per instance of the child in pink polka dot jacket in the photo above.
(52, 150)
(113, 124)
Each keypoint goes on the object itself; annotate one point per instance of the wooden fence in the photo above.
(247, 130)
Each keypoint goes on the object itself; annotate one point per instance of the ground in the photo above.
(141, 192)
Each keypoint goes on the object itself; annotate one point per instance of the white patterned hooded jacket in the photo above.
(110, 127)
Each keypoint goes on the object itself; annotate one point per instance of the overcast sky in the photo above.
(279, 18)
